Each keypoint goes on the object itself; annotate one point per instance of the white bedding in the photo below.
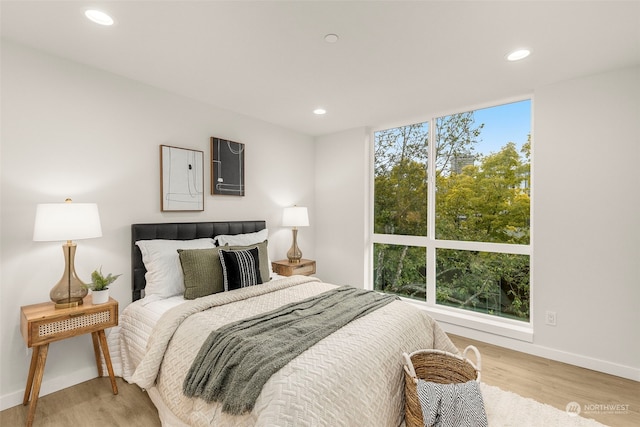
(128, 341)
(351, 378)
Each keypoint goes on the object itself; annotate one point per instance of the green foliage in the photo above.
(488, 282)
(401, 200)
(99, 282)
(485, 203)
(400, 270)
(400, 204)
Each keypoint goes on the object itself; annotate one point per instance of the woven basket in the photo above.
(436, 366)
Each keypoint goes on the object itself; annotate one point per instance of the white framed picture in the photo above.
(181, 179)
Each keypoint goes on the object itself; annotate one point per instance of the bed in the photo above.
(352, 377)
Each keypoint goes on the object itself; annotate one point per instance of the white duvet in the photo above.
(354, 377)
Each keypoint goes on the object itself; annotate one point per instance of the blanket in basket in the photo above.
(451, 405)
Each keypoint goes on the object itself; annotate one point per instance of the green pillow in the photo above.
(203, 271)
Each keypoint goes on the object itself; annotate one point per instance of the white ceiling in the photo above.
(395, 61)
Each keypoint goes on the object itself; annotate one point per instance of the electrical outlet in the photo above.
(550, 318)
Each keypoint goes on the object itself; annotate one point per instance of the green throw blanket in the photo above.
(238, 359)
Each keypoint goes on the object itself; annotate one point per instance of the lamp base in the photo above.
(294, 255)
(69, 302)
(70, 290)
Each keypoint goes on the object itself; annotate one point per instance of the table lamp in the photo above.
(295, 217)
(67, 222)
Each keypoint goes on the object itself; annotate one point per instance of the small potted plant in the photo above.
(100, 286)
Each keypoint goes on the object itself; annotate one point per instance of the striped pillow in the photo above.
(240, 268)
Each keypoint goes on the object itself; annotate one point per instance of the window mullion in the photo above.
(431, 214)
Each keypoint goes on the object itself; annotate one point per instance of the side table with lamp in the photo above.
(71, 312)
(295, 216)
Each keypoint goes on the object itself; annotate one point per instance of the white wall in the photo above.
(73, 131)
(586, 237)
(342, 165)
(587, 206)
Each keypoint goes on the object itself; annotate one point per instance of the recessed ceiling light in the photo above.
(331, 38)
(98, 17)
(517, 55)
(319, 111)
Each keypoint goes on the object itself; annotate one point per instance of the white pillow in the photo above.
(164, 273)
(245, 239)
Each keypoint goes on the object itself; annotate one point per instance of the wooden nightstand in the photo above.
(42, 324)
(306, 267)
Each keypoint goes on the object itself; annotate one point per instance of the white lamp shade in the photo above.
(66, 221)
(295, 216)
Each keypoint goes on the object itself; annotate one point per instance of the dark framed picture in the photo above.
(181, 179)
(227, 167)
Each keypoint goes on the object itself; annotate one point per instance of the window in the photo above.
(401, 180)
(451, 210)
(400, 270)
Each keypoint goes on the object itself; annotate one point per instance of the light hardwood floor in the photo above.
(89, 404)
(558, 384)
(92, 403)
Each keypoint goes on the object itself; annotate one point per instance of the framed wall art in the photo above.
(181, 179)
(227, 167)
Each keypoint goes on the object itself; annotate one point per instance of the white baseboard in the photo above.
(50, 386)
(604, 366)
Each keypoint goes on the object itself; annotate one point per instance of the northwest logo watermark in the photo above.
(574, 409)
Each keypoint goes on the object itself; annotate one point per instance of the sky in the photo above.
(502, 124)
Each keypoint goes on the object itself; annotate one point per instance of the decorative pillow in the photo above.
(164, 273)
(451, 404)
(263, 256)
(240, 268)
(202, 272)
(245, 239)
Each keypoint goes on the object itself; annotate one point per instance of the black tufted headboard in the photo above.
(179, 231)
